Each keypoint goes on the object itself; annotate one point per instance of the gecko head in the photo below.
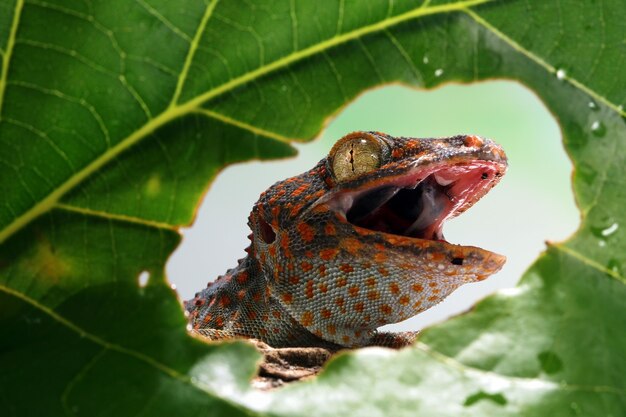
(400, 191)
(357, 242)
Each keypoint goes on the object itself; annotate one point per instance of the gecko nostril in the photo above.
(198, 302)
(457, 261)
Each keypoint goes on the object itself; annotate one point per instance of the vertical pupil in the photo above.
(352, 156)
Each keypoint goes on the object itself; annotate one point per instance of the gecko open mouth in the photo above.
(417, 203)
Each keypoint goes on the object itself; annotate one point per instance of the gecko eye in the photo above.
(355, 155)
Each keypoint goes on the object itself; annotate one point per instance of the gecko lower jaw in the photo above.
(416, 204)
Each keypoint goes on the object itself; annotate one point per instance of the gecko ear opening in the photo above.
(267, 233)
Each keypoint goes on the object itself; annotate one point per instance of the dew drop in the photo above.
(614, 266)
(602, 243)
(593, 105)
(560, 74)
(438, 72)
(173, 286)
(603, 228)
(425, 59)
(598, 129)
(610, 230)
(143, 278)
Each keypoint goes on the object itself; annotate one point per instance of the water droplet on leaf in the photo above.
(598, 129)
(560, 74)
(614, 266)
(438, 72)
(143, 278)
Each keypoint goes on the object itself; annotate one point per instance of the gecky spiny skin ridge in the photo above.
(355, 243)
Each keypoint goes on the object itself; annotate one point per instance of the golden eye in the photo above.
(355, 155)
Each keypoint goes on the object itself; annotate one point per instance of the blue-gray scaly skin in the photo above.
(355, 243)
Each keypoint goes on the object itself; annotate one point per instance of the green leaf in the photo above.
(115, 116)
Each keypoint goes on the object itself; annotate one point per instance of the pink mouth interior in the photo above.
(418, 203)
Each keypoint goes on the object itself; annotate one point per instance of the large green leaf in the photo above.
(115, 116)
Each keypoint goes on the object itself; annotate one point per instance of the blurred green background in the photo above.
(532, 204)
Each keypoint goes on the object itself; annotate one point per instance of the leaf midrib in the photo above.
(178, 110)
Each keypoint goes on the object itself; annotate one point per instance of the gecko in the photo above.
(355, 243)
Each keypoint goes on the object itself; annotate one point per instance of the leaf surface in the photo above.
(115, 116)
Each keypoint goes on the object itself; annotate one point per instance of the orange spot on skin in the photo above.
(417, 287)
(224, 301)
(432, 298)
(473, 141)
(380, 257)
(339, 301)
(346, 268)
(323, 288)
(306, 319)
(241, 294)
(404, 300)
(272, 251)
(394, 288)
(307, 233)
(326, 313)
(345, 339)
(276, 313)
(296, 209)
(397, 153)
(437, 256)
(351, 245)
(432, 284)
(373, 295)
(322, 270)
(386, 309)
(309, 289)
(306, 266)
(256, 297)
(219, 321)
(383, 271)
(294, 279)
(288, 298)
(328, 254)
(342, 282)
(207, 319)
(353, 291)
(285, 244)
(331, 329)
(242, 277)
(309, 254)
(300, 189)
(370, 282)
(359, 307)
(330, 230)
